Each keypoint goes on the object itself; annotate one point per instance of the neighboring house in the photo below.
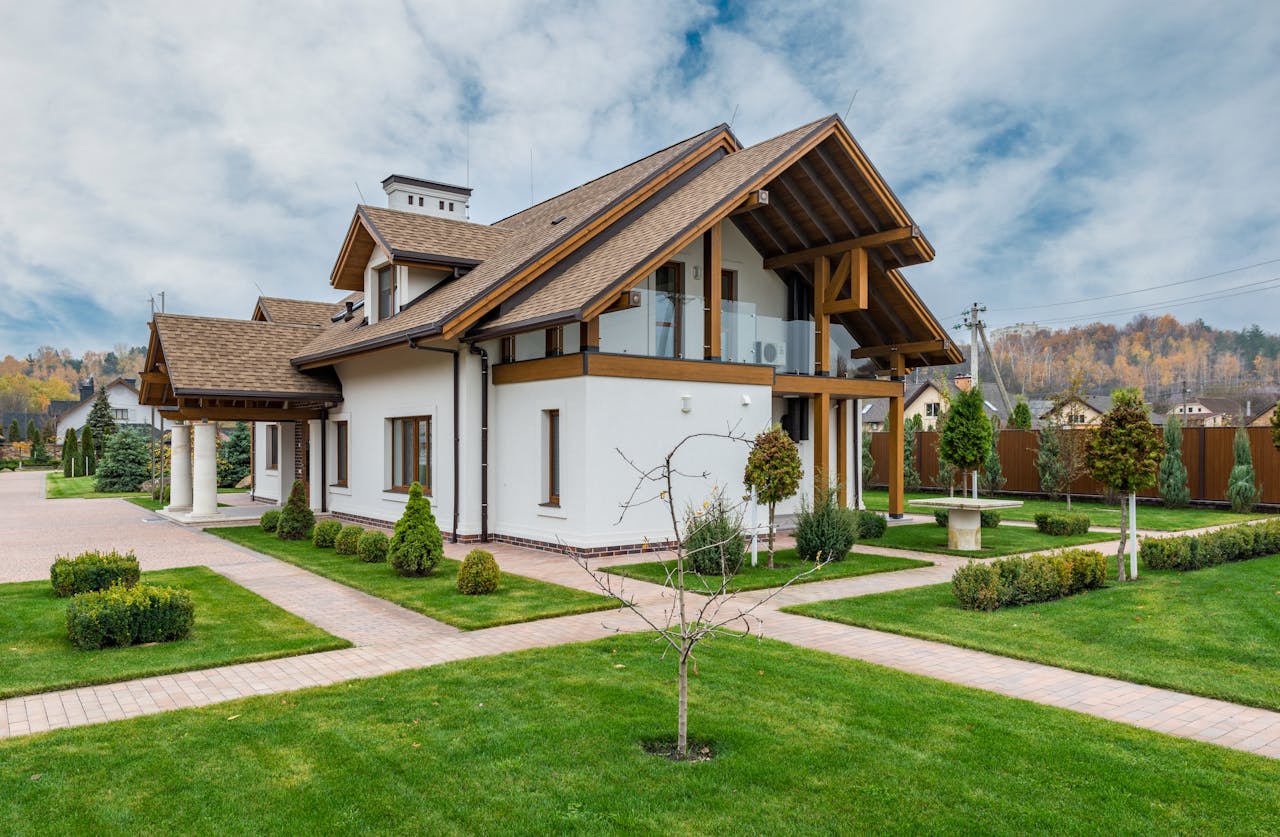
(509, 368)
(1263, 419)
(1074, 412)
(1207, 411)
(926, 400)
(122, 393)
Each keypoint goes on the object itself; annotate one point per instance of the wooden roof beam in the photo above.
(916, 348)
(798, 195)
(879, 239)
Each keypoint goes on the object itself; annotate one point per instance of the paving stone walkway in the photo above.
(389, 638)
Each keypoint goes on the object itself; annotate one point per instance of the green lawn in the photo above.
(232, 625)
(58, 487)
(1002, 540)
(786, 566)
(518, 599)
(1213, 632)
(547, 742)
(1156, 518)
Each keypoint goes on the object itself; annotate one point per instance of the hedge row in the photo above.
(1191, 552)
(1010, 582)
(990, 519)
(134, 615)
(1062, 524)
(93, 571)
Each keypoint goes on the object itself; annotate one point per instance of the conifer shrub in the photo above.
(1172, 477)
(416, 546)
(88, 466)
(871, 525)
(270, 520)
(296, 519)
(348, 540)
(1062, 524)
(121, 616)
(372, 547)
(1011, 582)
(93, 571)
(126, 463)
(70, 453)
(479, 573)
(825, 531)
(1242, 490)
(326, 534)
(713, 542)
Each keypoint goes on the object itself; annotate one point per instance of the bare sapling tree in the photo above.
(700, 606)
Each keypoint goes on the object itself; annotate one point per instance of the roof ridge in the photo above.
(417, 215)
(239, 320)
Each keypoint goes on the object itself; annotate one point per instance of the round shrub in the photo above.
(416, 547)
(326, 534)
(478, 574)
(713, 542)
(976, 586)
(297, 519)
(120, 616)
(93, 571)
(348, 540)
(826, 530)
(270, 520)
(373, 546)
(871, 525)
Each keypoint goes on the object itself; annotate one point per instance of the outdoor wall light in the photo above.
(746, 400)
(686, 403)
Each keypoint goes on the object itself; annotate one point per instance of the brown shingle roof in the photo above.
(298, 311)
(531, 233)
(212, 355)
(414, 234)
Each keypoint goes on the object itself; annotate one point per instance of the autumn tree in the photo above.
(1125, 454)
(966, 434)
(773, 472)
(1173, 474)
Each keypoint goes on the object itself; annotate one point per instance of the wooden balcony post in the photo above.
(897, 457)
(821, 440)
(590, 336)
(712, 268)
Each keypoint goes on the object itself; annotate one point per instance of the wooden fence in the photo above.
(1206, 451)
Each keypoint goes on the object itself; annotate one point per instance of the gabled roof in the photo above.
(410, 238)
(273, 309)
(1217, 404)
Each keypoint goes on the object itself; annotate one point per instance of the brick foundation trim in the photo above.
(376, 523)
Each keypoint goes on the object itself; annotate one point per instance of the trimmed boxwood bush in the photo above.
(478, 574)
(989, 519)
(373, 546)
(1010, 582)
(297, 519)
(93, 571)
(120, 616)
(1062, 524)
(270, 520)
(348, 540)
(1192, 552)
(326, 534)
(709, 535)
(827, 530)
(871, 525)
(416, 547)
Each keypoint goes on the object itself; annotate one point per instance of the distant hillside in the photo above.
(27, 385)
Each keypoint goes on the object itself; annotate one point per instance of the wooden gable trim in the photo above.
(341, 277)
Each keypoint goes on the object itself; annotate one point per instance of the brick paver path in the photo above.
(389, 638)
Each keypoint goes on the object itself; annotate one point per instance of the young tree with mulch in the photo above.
(773, 472)
(1125, 454)
(70, 453)
(966, 434)
(101, 422)
(1242, 487)
(1173, 474)
(417, 545)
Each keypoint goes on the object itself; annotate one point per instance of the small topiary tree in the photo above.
(1172, 478)
(479, 574)
(296, 519)
(966, 435)
(126, 465)
(70, 453)
(270, 520)
(348, 540)
(826, 530)
(326, 534)
(15, 432)
(1125, 454)
(372, 547)
(992, 479)
(416, 545)
(101, 423)
(1242, 488)
(773, 471)
(1020, 419)
(88, 455)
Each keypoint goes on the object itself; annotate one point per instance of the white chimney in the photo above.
(427, 197)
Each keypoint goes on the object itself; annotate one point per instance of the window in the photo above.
(1075, 418)
(555, 342)
(553, 457)
(420, 202)
(508, 349)
(273, 447)
(729, 285)
(340, 438)
(410, 197)
(668, 310)
(442, 204)
(120, 414)
(450, 206)
(411, 453)
(933, 410)
(386, 292)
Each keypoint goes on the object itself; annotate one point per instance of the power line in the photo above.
(1227, 293)
(1138, 291)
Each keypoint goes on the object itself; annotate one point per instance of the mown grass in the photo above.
(785, 567)
(517, 599)
(232, 625)
(1155, 518)
(58, 487)
(1002, 540)
(1213, 632)
(548, 741)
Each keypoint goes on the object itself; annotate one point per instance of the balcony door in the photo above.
(668, 310)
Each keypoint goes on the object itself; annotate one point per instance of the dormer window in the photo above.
(386, 292)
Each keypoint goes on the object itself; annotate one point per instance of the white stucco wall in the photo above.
(121, 398)
(272, 483)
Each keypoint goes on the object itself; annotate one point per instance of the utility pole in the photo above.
(973, 324)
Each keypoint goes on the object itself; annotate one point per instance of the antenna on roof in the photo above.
(261, 292)
(531, 201)
(735, 116)
(467, 182)
(358, 192)
(851, 101)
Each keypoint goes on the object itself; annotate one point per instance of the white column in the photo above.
(204, 471)
(315, 487)
(857, 453)
(287, 475)
(180, 467)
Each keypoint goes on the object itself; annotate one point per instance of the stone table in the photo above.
(964, 518)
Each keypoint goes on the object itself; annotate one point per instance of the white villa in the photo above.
(122, 394)
(510, 367)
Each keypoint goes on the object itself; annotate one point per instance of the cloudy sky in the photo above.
(1051, 152)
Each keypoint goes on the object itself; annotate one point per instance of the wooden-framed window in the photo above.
(553, 456)
(668, 310)
(340, 439)
(508, 351)
(555, 341)
(411, 452)
(386, 291)
(933, 409)
(273, 447)
(120, 413)
(729, 285)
